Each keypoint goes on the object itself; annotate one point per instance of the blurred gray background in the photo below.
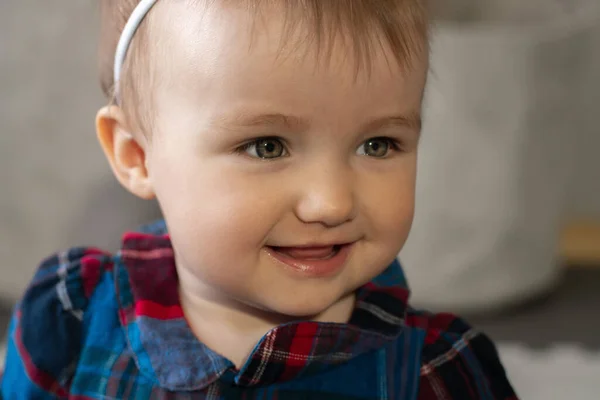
(56, 189)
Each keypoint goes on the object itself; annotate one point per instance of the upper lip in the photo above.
(315, 245)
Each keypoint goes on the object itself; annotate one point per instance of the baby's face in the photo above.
(287, 180)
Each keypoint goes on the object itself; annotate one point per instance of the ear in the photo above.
(126, 156)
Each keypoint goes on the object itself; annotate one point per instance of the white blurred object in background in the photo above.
(507, 103)
(560, 372)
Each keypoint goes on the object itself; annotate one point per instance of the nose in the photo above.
(327, 196)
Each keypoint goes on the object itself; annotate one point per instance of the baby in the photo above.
(280, 139)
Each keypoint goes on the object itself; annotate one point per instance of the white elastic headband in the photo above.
(136, 18)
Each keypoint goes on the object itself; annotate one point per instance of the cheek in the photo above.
(214, 215)
(389, 203)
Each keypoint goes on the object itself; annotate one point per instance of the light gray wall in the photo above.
(55, 187)
(585, 196)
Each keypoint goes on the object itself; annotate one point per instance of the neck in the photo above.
(233, 329)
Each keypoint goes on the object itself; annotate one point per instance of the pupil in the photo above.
(270, 147)
(376, 148)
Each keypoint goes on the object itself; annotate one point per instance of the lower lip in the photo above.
(315, 268)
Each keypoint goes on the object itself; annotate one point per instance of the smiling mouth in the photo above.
(309, 253)
(312, 261)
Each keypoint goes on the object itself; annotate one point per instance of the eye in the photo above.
(265, 148)
(377, 147)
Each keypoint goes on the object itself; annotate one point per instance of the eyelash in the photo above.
(394, 145)
(246, 146)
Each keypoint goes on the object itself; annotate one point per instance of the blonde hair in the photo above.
(403, 24)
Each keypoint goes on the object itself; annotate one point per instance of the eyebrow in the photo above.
(411, 121)
(274, 119)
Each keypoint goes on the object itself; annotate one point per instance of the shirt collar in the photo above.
(166, 351)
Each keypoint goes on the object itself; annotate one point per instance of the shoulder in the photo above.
(457, 361)
(75, 262)
(46, 330)
(64, 283)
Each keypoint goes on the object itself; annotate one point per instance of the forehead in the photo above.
(203, 46)
(290, 30)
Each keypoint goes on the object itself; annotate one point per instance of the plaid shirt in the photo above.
(99, 326)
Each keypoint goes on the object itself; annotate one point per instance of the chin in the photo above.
(306, 308)
(301, 312)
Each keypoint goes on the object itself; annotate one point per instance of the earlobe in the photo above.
(125, 154)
